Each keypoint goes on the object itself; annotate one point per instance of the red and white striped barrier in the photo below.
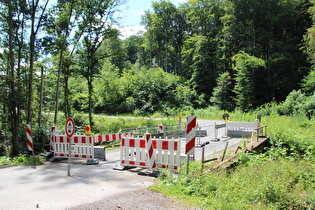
(150, 150)
(110, 137)
(29, 138)
(190, 135)
(160, 128)
(139, 152)
(81, 147)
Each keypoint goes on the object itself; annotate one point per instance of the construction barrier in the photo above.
(241, 129)
(81, 147)
(160, 128)
(29, 139)
(190, 135)
(150, 153)
(110, 137)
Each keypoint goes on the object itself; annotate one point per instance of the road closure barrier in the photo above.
(110, 137)
(80, 147)
(150, 153)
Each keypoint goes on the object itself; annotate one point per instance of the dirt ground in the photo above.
(138, 199)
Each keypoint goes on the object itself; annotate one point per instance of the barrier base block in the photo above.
(55, 159)
(47, 154)
(121, 167)
(150, 173)
(92, 162)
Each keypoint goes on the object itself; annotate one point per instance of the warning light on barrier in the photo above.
(88, 130)
(180, 116)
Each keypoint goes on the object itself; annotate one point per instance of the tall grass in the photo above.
(281, 178)
(282, 184)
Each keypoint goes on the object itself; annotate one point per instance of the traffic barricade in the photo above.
(80, 147)
(150, 153)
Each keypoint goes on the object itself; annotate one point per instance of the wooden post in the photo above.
(226, 146)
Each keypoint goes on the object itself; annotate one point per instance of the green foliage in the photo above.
(280, 178)
(20, 160)
(292, 103)
(309, 83)
(222, 94)
(245, 66)
(261, 184)
(145, 90)
(296, 103)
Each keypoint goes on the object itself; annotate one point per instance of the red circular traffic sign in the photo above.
(69, 127)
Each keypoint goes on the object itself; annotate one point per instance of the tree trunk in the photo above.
(12, 97)
(40, 115)
(57, 87)
(90, 79)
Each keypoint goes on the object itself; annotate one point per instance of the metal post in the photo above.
(187, 165)
(34, 157)
(203, 155)
(69, 154)
(215, 131)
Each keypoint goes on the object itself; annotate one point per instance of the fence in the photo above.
(110, 137)
(156, 131)
(136, 152)
(241, 129)
(81, 147)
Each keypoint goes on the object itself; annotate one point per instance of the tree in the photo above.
(63, 23)
(201, 52)
(223, 92)
(36, 24)
(309, 39)
(245, 67)
(95, 26)
(273, 30)
(12, 94)
(166, 30)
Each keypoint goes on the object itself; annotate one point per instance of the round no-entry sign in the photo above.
(69, 127)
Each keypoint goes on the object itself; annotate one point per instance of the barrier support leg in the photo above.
(187, 165)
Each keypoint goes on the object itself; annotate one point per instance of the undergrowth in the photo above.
(21, 159)
(281, 178)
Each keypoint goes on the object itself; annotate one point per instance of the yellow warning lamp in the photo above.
(180, 116)
(88, 130)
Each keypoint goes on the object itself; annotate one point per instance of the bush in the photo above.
(293, 102)
(21, 159)
(143, 91)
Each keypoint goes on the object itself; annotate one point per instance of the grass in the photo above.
(281, 178)
(21, 159)
(276, 184)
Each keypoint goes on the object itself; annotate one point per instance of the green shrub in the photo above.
(21, 159)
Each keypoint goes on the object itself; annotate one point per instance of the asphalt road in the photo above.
(48, 187)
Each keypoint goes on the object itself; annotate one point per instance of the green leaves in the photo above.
(245, 66)
(145, 90)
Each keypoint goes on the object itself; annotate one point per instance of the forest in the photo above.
(67, 56)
